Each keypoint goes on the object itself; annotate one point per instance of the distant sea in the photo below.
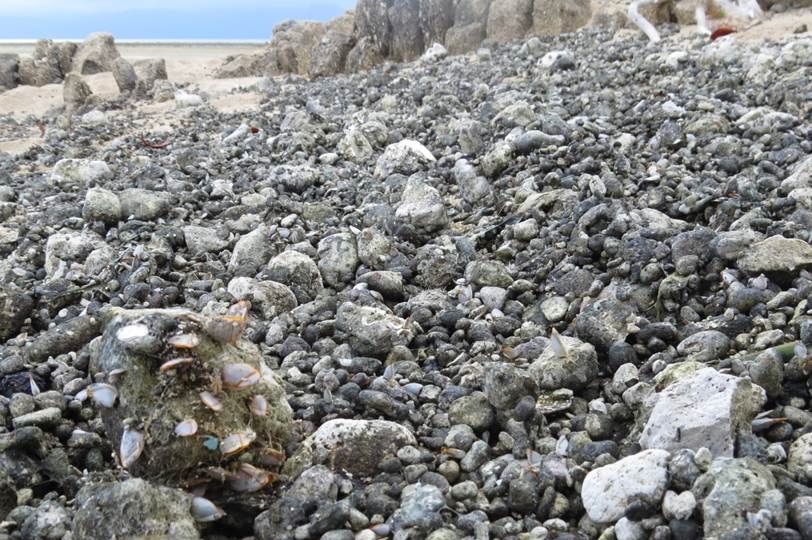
(150, 47)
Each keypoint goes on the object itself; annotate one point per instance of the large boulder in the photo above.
(372, 22)
(149, 70)
(184, 368)
(509, 20)
(241, 65)
(292, 45)
(46, 65)
(470, 22)
(706, 408)
(551, 17)
(124, 74)
(96, 54)
(407, 39)
(436, 17)
(9, 64)
(330, 55)
(465, 38)
(75, 91)
(364, 55)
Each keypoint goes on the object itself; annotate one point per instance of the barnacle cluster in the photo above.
(186, 402)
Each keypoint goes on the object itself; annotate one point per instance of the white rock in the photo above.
(678, 506)
(608, 490)
(184, 99)
(406, 157)
(202, 240)
(353, 445)
(626, 529)
(422, 206)
(94, 117)
(434, 53)
(79, 173)
(237, 134)
(706, 408)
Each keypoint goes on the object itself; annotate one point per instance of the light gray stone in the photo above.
(608, 490)
(706, 408)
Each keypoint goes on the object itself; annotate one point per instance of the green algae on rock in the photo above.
(153, 402)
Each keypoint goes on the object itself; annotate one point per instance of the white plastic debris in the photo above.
(642, 22)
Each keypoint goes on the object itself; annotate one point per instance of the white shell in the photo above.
(186, 428)
(557, 344)
(103, 394)
(240, 375)
(132, 444)
(205, 510)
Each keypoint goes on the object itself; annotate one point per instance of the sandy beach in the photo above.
(187, 63)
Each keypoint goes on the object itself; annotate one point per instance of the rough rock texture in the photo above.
(509, 20)
(9, 64)
(75, 91)
(330, 54)
(355, 446)
(407, 39)
(608, 491)
(552, 17)
(436, 17)
(96, 54)
(776, 254)
(372, 331)
(731, 489)
(130, 342)
(291, 47)
(372, 22)
(133, 508)
(124, 73)
(705, 409)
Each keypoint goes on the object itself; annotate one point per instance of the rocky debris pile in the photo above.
(559, 289)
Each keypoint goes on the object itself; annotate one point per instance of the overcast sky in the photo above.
(158, 19)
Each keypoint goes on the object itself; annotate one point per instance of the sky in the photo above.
(158, 19)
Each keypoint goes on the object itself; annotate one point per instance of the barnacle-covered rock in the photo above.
(171, 366)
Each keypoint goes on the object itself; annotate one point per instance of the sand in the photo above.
(188, 65)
